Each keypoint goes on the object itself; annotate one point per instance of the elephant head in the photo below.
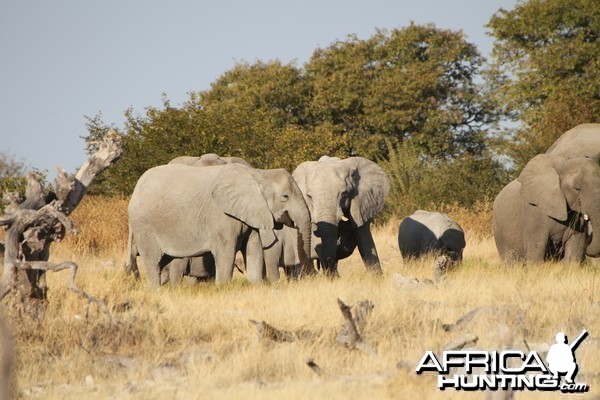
(349, 192)
(265, 200)
(566, 190)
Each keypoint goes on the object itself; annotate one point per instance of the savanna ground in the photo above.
(196, 341)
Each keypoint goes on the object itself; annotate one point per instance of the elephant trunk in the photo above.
(326, 217)
(304, 248)
(327, 251)
(301, 218)
(593, 249)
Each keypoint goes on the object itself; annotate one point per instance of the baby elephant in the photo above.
(430, 232)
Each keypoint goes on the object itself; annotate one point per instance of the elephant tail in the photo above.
(131, 266)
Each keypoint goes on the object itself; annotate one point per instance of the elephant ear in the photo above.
(300, 175)
(238, 193)
(373, 186)
(540, 186)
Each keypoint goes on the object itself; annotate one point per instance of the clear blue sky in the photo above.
(62, 60)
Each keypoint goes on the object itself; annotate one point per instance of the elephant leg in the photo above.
(203, 267)
(575, 248)
(255, 258)
(535, 249)
(535, 242)
(367, 249)
(224, 262)
(177, 269)
(131, 266)
(151, 257)
(272, 257)
(164, 275)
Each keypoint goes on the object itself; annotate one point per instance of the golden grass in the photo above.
(195, 341)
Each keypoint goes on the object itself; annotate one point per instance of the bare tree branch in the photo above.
(349, 336)
(43, 218)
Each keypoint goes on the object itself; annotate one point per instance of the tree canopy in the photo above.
(415, 85)
(546, 70)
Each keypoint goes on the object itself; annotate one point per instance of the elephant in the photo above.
(283, 253)
(426, 232)
(581, 141)
(548, 211)
(179, 211)
(343, 196)
(201, 267)
(208, 159)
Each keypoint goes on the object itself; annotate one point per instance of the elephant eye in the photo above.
(285, 197)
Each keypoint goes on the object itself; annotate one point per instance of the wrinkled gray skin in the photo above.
(548, 212)
(581, 141)
(283, 253)
(201, 267)
(343, 197)
(179, 211)
(430, 232)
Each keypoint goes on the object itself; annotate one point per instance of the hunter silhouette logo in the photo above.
(561, 356)
(508, 369)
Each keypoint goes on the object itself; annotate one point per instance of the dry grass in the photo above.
(195, 341)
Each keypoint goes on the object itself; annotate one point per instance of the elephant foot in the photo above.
(331, 273)
(375, 269)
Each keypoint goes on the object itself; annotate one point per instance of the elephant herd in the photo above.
(192, 216)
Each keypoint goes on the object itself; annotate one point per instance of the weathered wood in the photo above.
(466, 340)
(55, 267)
(362, 312)
(43, 218)
(108, 152)
(349, 336)
(315, 367)
(266, 331)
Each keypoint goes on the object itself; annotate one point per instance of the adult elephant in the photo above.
(201, 267)
(581, 141)
(343, 196)
(548, 211)
(426, 232)
(179, 211)
(208, 159)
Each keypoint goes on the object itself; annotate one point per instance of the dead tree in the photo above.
(41, 219)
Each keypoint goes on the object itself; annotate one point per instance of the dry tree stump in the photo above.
(42, 218)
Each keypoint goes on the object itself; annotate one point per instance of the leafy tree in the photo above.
(420, 183)
(150, 140)
(261, 111)
(415, 86)
(13, 178)
(546, 70)
(12, 174)
(416, 83)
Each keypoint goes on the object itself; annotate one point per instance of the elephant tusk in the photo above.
(344, 218)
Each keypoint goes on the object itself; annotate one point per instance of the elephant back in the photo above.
(581, 141)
